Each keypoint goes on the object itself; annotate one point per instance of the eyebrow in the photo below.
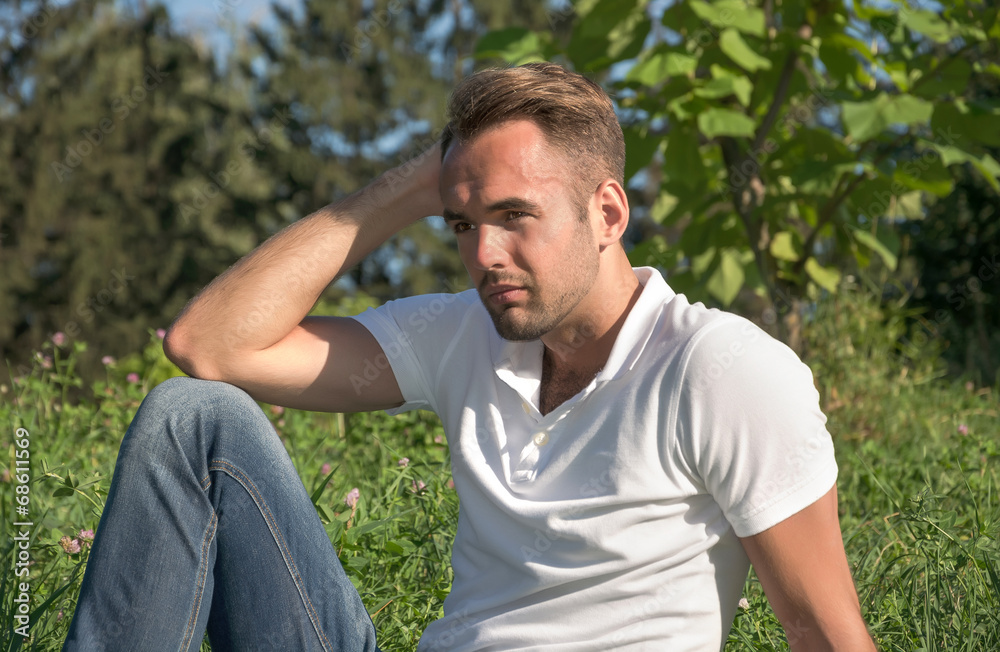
(505, 204)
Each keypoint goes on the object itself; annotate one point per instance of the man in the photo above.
(620, 455)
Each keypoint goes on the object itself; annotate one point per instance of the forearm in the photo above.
(259, 300)
(841, 631)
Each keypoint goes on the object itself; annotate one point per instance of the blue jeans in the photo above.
(207, 526)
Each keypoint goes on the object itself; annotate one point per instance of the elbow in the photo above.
(181, 349)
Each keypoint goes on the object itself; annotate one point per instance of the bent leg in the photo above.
(207, 524)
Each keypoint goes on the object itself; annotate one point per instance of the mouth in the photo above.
(503, 294)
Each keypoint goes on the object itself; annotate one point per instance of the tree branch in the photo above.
(780, 93)
(732, 157)
(830, 208)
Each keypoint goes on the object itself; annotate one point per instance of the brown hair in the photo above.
(574, 113)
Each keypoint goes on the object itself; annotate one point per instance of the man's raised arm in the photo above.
(249, 326)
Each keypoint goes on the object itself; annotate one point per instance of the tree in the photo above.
(141, 168)
(783, 140)
(366, 84)
(104, 114)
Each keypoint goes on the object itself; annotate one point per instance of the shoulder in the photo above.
(719, 349)
(423, 313)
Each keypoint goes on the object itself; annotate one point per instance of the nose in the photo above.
(489, 248)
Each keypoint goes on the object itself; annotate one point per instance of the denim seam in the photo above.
(200, 585)
(235, 473)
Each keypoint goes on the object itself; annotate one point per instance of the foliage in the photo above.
(134, 181)
(142, 166)
(779, 142)
(956, 254)
(918, 488)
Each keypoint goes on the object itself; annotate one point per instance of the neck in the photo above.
(580, 346)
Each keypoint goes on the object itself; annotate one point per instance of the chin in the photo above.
(519, 330)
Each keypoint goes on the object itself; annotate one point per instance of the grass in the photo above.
(918, 490)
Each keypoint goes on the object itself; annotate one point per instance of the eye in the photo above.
(513, 215)
(460, 227)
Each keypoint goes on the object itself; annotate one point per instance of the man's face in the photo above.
(523, 230)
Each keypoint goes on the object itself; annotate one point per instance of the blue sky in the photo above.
(210, 19)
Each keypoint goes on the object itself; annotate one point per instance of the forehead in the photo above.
(513, 159)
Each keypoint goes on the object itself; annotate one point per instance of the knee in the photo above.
(183, 391)
(184, 405)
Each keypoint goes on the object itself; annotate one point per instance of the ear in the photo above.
(610, 209)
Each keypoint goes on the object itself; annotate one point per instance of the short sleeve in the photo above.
(751, 426)
(415, 333)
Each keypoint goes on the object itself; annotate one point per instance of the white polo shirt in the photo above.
(610, 523)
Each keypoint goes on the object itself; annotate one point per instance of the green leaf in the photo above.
(321, 487)
(727, 279)
(907, 109)
(380, 523)
(950, 78)
(514, 45)
(964, 124)
(736, 49)
(400, 546)
(924, 173)
(661, 67)
(724, 85)
(929, 24)
(325, 515)
(663, 206)
(730, 14)
(951, 155)
(989, 169)
(702, 261)
(357, 562)
(825, 277)
(865, 120)
(725, 122)
(911, 205)
(876, 245)
(612, 30)
(682, 162)
(837, 55)
(640, 147)
(985, 165)
(654, 252)
(783, 247)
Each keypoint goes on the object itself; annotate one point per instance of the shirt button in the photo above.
(540, 438)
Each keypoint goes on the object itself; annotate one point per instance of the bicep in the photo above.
(328, 364)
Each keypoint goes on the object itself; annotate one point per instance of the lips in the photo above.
(501, 294)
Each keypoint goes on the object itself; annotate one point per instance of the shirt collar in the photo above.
(519, 364)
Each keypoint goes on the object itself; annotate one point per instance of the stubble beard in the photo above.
(541, 318)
